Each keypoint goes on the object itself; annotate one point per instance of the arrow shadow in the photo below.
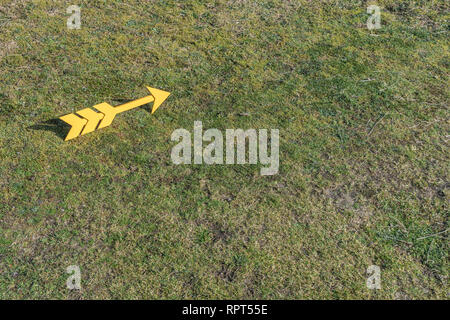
(57, 126)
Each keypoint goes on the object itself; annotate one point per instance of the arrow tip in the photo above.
(159, 95)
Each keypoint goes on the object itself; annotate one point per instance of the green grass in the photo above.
(363, 120)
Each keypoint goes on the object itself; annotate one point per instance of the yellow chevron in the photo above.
(92, 120)
(109, 111)
(77, 125)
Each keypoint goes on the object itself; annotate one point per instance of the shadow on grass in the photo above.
(59, 127)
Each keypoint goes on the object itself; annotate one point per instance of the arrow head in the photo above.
(159, 95)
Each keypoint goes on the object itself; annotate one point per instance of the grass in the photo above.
(364, 127)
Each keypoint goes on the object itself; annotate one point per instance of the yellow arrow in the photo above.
(97, 120)
(156, 95)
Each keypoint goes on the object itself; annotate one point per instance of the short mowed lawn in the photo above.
(364, 150)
